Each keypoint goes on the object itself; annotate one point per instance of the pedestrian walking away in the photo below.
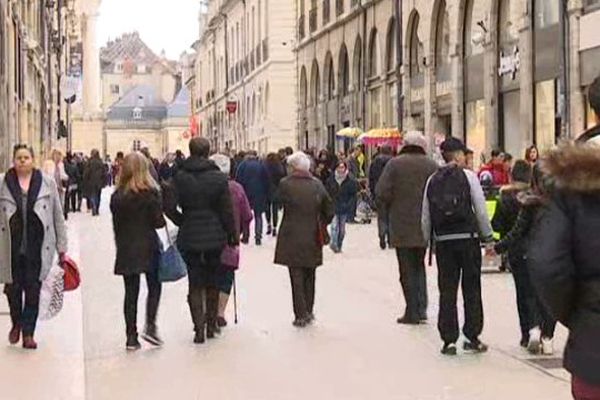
(537, 325)
(455, 216)
(199, 202)
(276, 172)
(230, 258)
(400, 192)
(343, 189)
(254, 177)
(375, 172)
(32, 231)
(94, 180)
(136, 208)
(564, 252)
(307, 208)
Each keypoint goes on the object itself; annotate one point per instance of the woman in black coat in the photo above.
(564, 259)
(137, 213)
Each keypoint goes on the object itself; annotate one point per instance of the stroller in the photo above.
(365, 206)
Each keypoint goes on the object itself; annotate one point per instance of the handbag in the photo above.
(323, 238)
(230, 257)
(72, 277)
(171, 266)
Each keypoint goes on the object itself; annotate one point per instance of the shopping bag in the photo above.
(171, 266)
(51, 294)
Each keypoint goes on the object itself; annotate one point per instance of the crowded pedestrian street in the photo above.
(355, 350)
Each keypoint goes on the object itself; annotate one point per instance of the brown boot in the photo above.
(212, 311)
(29, 343)
(14, 335)
(197, 311)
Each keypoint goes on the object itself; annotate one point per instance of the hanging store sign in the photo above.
(231, 107)
(510, 64)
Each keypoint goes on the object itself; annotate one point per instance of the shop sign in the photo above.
(231, 107)
(510, 64)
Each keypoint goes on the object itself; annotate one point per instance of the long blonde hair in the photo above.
(135, 174)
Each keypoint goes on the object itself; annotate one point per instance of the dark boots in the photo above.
(196, 304)
(212, 311)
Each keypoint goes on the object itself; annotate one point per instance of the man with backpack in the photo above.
(455, 217)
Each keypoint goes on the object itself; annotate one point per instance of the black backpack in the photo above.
(451, 209)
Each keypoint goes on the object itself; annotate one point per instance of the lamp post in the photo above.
(564, 86)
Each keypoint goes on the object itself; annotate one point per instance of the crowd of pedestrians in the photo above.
(547, 215)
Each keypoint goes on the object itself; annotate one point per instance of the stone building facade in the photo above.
(245, 62)
(487, 71)
(32, 61)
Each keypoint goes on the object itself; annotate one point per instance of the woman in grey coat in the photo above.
(32, 230)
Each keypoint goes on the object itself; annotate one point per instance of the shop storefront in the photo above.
(546, 71)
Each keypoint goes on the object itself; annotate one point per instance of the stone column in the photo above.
(526, 82)
(576, 100)
(91, 65)
(458, 97)
(490, 71)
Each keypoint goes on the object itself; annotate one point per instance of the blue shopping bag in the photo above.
(171, 266)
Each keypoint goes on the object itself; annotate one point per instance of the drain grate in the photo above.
(548, 363)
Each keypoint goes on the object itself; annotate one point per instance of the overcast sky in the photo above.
(171, 25)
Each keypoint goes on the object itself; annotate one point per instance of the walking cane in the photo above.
(235, 313)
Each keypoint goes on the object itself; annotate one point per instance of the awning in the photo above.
(381, 136)
(351, 133)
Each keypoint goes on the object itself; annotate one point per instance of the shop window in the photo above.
(546, 13)
(545, 115)
(475, 129)
(375, 108)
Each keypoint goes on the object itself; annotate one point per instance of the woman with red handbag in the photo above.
(32, 231)
(307, 207)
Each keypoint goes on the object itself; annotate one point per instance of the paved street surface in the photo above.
(355, 351)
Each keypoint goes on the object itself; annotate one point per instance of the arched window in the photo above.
(442, 36)
(373, 62)
(357, 65)
(416, 47)
(315, 86)
(303, 89)
(390, 63)
(344, 72)
(329, 77)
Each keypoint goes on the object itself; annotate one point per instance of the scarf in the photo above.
(340, 178)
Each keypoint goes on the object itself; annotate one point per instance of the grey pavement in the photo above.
(354, 351)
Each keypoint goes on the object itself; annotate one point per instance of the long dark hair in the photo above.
(529, 151)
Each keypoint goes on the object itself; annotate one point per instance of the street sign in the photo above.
(231, 107)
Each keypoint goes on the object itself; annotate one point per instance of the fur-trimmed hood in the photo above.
(574, 168)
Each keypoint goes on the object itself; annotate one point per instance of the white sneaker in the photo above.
(535, 335)
(547, 346)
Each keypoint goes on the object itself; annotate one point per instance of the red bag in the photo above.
(72, 277)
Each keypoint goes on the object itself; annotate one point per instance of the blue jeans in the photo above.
(338, 231)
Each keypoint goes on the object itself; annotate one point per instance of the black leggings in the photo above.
(273, 214)
(26, 286)
(132, 291)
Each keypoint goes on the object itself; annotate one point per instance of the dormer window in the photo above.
(141, 69)
(119, 67)
(137, 113)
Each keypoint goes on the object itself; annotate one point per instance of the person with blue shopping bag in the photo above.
(136, 208)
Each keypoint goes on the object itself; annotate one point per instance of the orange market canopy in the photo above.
(381, 136)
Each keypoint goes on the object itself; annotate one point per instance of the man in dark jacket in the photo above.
(563, 257)
(254, 177)
(94, 180)
(206, 225)
(400, 191)
(375, 171)
(343, 189)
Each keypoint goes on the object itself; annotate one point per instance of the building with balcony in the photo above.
(245, 75)
(487, 71)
